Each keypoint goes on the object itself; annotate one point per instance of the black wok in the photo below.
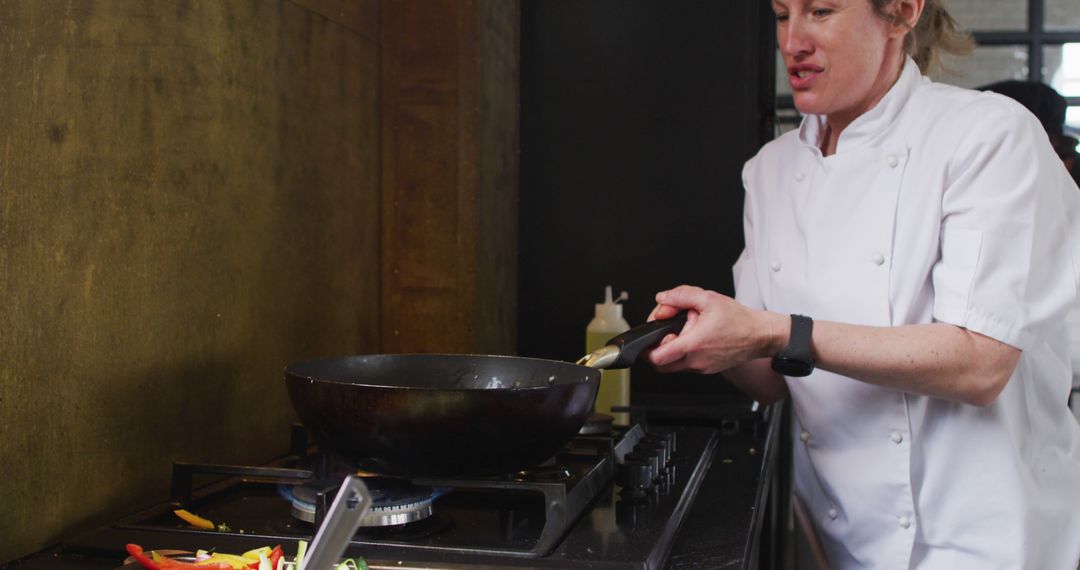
(430, 415)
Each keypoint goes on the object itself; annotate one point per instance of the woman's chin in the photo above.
(807, 104)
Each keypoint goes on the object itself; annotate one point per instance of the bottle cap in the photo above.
(610, 309)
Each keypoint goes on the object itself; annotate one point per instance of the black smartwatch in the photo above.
(795, 359)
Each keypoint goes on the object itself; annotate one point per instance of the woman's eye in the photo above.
(821, 12)
(781, 17)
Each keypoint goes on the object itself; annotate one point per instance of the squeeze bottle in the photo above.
(607, 323)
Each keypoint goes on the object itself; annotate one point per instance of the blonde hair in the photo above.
(935, 32)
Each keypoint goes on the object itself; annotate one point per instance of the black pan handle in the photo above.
(636, 340)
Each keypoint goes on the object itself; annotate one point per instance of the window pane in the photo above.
(985, 65)
(787, 120)
(992, 15)
(1062, 15)
(1072, 123)
(1062, 68)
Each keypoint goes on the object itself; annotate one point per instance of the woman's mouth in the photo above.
(802, 76)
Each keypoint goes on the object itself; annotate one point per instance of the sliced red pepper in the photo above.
(136, 552)
(275, 555)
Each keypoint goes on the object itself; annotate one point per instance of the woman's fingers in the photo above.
(670, 349)
(677, 366)
(684, 297)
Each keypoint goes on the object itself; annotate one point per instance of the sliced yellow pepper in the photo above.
(230, 559)
(194, 520)
(253, 555)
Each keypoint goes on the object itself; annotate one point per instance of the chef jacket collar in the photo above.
(872, 123)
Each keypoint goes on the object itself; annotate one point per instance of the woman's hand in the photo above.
(720, 332)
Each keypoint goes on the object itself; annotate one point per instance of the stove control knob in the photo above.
(635, 478)
(662, 443)
(644, 456)
(670, 437)
(657, 449)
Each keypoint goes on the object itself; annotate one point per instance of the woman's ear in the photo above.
(908, 12)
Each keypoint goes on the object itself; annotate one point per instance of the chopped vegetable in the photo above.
(199, 522)
(352, 564)
(253, 554)
(264, 558)
(275, 556)
(301, 552)
(234, 561)
(194, 520)
(158, 562)
(136, 552)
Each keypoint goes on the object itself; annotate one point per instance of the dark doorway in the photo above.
(637, 116)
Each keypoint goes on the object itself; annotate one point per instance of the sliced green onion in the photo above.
(301, 551)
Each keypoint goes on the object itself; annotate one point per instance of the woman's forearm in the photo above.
(757, 379)
(939, 359)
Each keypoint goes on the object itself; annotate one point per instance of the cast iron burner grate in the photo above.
(536, 509)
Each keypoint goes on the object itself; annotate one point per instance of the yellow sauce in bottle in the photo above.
(614, 384)
(608, 323)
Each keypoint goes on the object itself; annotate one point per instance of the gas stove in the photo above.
(612, 499)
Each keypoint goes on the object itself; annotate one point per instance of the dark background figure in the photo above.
(1049, 107)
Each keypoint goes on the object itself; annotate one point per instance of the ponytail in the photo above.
(935, 32)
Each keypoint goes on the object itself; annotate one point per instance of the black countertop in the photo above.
(732, 518)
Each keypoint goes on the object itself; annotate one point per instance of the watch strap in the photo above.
(798, 347)
(796, 358)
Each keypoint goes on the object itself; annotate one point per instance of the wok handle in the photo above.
(636, 340)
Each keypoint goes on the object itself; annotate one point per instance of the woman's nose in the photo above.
(794, 39)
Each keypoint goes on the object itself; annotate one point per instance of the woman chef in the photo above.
(927, 240)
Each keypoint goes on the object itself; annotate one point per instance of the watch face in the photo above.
(791, 367)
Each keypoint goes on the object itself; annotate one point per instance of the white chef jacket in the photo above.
(940, 205)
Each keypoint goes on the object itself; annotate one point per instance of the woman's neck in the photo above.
(837, 122)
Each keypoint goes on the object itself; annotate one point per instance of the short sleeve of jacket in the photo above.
(747, 289)
(1007, 262)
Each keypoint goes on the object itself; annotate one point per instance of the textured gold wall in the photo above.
(188, 201)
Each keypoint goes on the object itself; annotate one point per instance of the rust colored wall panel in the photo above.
(498, 171)
(450, 125)
(189, 200)
(360, 16)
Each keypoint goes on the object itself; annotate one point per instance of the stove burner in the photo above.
(394, 501)
(411, 532)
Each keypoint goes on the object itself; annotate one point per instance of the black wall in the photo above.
(637, 116)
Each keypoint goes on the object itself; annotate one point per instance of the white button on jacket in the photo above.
(961, 192)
